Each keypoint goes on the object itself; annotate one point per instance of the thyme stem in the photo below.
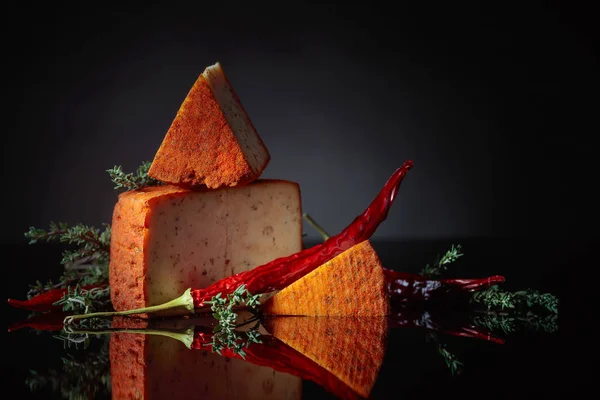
(316, 226)
(441, 264)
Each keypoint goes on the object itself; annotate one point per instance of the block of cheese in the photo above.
(166, 239)
(211, 141)
(351, 348)
(158, 367)
(351, 283)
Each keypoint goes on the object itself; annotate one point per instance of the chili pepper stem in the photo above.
(184, 301)
(316, 226)
(185, 336)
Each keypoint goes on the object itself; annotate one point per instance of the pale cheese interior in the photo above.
(254, 151)
(197, 238)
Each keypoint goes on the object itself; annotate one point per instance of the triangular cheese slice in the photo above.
(211, 141)
(350, 284)
(350, 348)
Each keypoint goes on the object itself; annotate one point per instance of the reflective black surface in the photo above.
(532, 362)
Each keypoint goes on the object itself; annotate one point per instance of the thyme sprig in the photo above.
(87, 264)
(225, 333)
(92, 242)
(435, 270)
(509, 323)
(441, 264)
(494, 297)
(80, 378)
(80, 272)
(84, 301)
(450, 359)
(132, 181)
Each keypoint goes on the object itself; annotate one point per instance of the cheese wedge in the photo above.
(351, 348)
(166, 239)
(350, 284)
(211, 141)
(158, 367)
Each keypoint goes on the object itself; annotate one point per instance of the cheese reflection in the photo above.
(343, 355)
(155, 366)
(350, 348)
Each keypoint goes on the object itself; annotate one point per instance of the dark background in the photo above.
(496, 105)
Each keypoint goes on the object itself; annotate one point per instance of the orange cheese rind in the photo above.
(211, 142)
(350, 284)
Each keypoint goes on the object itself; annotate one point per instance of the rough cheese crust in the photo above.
(158, 367)
(166, 239)
(351, 348)
(350, 284)
(211, 141)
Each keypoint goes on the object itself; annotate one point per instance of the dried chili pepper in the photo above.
(403, 287)
(45, 301)
(283, 271)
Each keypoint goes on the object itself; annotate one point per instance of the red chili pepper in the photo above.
(44, 301)
(283, 271)
(41, 302)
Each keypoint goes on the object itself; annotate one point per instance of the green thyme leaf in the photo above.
(132, 181)
(78, 300)
(494, 298)
(225, 333)
(508, 323)
(91, 242)
(441, 264)
(450, 359)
